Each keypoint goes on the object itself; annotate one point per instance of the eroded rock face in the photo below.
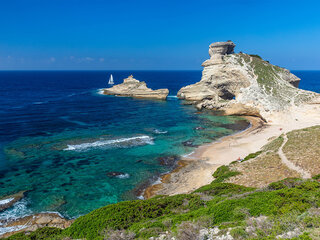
(217, 51)
(134, 88)
(242, 84)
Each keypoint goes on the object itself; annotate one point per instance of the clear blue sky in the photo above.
(151, 34)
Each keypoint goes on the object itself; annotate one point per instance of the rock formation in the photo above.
(8, 201)
(134, 88)
(242, 84)
(33, 222)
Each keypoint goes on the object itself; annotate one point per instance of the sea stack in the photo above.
(243, 84)
(132, 87)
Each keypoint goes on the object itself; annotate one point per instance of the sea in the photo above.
(73, 149)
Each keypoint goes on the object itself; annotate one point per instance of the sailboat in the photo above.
(111, 82)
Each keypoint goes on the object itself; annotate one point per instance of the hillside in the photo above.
(274, 207)
(243, 84)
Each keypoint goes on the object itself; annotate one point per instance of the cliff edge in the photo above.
(134, 88)
(242, 84)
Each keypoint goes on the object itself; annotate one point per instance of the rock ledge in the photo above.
(134, 88)
(243, 84)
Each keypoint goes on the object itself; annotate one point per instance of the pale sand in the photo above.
(199, 166)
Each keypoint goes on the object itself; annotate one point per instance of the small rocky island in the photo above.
(243, 84)
(134, 88)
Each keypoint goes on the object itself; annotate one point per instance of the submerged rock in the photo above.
(115, 174)
(199, 128)
(168, 160)
(189, 143)
(134, 88)
(242, 84)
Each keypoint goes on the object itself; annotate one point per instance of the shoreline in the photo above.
(195, 170)
(195, 156)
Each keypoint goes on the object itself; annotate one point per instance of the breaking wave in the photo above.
(5, 201)
(18, 210)
(123, 176)
(158, 131)
(120, 142)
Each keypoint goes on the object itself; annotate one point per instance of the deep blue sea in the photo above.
(63, 142)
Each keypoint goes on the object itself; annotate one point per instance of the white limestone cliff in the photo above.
(242, 84)
(134, 88)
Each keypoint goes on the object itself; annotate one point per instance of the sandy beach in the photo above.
(196, 169)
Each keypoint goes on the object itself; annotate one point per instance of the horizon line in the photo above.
(107, 70)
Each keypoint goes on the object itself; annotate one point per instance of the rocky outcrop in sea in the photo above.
(243, 84)
(134, 88)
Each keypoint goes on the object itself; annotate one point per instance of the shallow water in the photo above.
(74, 150)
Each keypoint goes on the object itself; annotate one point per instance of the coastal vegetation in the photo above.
(285, 209)
(290, 205)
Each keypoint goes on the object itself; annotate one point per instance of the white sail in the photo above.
(111, 82)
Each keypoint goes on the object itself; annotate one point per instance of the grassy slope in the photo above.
(288, 204)
(268, 78)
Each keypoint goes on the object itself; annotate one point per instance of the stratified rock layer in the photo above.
(242, 84)
(134, 88)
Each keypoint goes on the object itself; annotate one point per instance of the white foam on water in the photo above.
(188, 154)
(133, 141)
(123, 176)
(18, 210)
(4, 230)
(158, 131)
(172, 96)
(5, 201)
(100, 91)
(38, 103)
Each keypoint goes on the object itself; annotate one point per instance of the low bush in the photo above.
(285, 205)
(223, 173)
(255, 55)
(252, 155)
(40, 234)
(219, 189)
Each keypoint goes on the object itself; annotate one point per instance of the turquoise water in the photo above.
(74, 150)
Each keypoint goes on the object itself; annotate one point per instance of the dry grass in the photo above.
(261, 171)
(303, 149)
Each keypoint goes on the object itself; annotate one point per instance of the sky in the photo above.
(154, 35)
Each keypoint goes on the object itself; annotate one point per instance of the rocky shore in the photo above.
(242, 84)
(8, 201)
(33, 222)
(236, 84)
(239, 84)
(132, 87)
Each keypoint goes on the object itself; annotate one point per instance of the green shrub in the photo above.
(223, 173)
(252, 155)
(290, 202)
(238, 233)
(255, 55)
(218, 189)
(39, 234)
(276, 186)
(123, 215)
(316, 177)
